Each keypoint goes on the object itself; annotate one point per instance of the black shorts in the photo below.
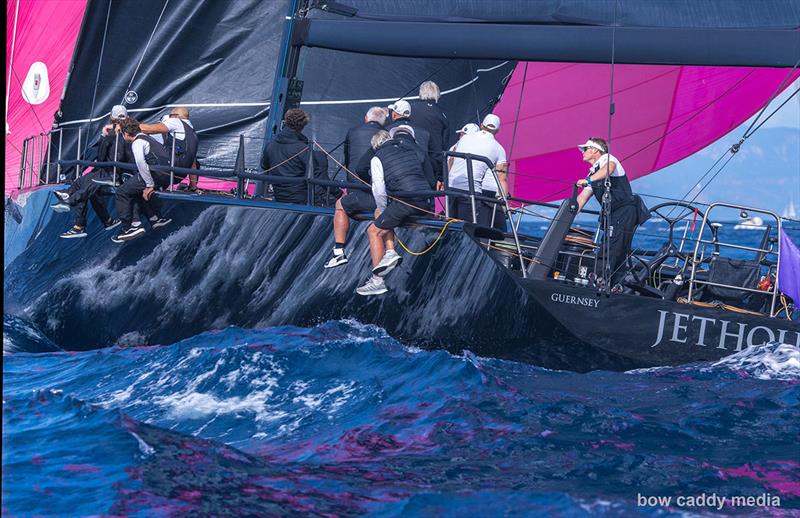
(355, 202)
(397, 213)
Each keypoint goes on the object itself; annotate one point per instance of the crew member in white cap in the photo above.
(399, 169)
(401, 114)
(86, 189)
(623, 209)
(480, 143)
(466, 129)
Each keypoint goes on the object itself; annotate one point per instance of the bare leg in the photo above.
(388, 240)
(341, 223)
(376, 244)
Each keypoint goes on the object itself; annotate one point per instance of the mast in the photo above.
(287, 89)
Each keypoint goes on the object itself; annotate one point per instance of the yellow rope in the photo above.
(786, 307)
(432, 244)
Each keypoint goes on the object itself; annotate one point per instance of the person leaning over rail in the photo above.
(177, 126)
(354, 202)
(287, 156)
(623, 210)
(427, 114)
(399, 167)
(147, 151)
(111, 148)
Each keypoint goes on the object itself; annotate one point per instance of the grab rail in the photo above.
(777, 252)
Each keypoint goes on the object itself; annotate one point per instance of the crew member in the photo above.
(354, 202)
(358, 139)
(179, 134)
(111, 148)
(623, 212)
(147, 151)
(428, 115)
(400, 167)
(400, 113)
(481, 143)
(287, 155)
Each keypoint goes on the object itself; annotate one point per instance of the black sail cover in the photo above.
(219, 58)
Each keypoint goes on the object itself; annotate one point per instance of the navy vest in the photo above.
(402, 168)
(158, 154)
(186, 149)
(621, 192)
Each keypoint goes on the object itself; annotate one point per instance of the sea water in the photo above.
(342, 420)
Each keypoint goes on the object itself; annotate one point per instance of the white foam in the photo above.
(772, 361)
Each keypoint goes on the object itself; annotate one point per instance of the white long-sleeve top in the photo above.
(141, 147)
(378, 183)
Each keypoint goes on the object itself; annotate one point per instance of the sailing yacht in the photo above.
(553, 73)
(790, 212)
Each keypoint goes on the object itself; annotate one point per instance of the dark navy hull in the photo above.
(652, 331)
(230, 262)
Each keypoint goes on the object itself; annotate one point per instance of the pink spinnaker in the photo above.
(45, 31)
(563, 104)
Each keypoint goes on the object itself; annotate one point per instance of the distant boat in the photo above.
(790, 212)
(754, 223)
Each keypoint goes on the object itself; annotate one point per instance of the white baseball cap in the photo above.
(591, 144)
(403, 127)
(491, 121)
(469, 128)
(119, 112)
(402, 107)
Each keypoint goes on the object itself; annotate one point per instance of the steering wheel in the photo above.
(668, 249)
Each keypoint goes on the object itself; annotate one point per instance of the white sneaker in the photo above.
(337, 259)
(60, 207)
(73, 233)
(160, 222)
(61, 195)
(390, 260)
(136, 224)
(128, 235)
(374, 286)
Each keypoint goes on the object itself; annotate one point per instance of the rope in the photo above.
(439, 216)
(684, 300)
(287, 160)
(786, 307)
(434, 214)
(435, 241)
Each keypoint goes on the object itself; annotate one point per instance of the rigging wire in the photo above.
(516, 117)
(97, 76)
(607, 180)
(141, 58)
